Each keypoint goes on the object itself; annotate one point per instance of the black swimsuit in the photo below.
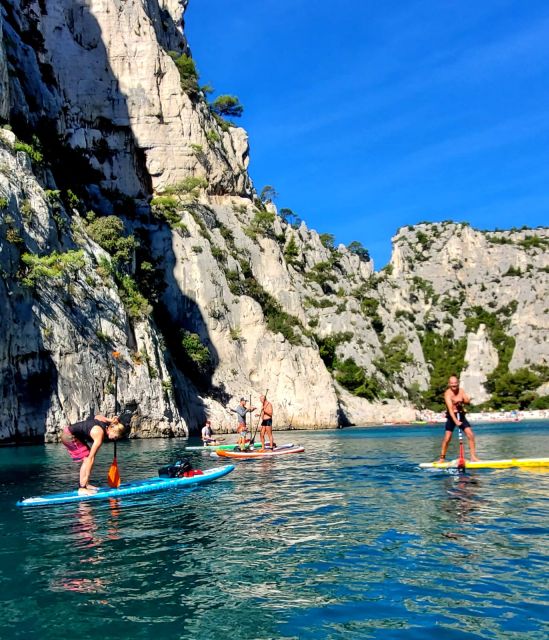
(451, 425)
(82, 430)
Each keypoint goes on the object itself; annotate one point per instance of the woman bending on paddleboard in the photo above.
(454, 399)
(76, 438)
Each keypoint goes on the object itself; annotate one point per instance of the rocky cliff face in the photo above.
(239, 301)
(101, 76)
(450, 272)
(60, 329)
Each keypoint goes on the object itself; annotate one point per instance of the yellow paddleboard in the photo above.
(489, 464)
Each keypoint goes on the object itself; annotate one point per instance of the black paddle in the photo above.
(251, 425)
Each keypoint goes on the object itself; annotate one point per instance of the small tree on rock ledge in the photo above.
(227, 106)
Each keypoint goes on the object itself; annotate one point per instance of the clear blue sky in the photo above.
(366, 115)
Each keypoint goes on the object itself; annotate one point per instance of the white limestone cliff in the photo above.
(56, 363)
(264, 300)
(481, 358)
(504, 273)
(115, 93)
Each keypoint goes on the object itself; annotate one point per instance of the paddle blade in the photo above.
(113, 477)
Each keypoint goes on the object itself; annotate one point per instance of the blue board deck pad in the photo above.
(127, 489)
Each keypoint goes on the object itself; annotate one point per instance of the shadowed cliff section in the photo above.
(83, 149)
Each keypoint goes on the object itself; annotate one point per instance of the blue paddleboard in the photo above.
(127, 489)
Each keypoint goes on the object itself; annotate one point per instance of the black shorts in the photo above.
(451, 425)
(267, 423)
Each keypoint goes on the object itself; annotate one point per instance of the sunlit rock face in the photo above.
(102, 73)
(452, 271)
(482, 358)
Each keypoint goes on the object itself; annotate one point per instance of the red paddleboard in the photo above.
(268, 453)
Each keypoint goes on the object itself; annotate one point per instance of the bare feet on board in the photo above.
(87, 491)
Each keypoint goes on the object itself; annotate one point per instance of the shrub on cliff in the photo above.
(54, 268)
(445, 356)
(277, 320)
(534, 242)
(189, 186)
(291, 252)
(262, 224)
(353, 378)
(322, 274)
(327, 347)
(395, 356)
(31, 150)
(197, 354)
(135, 303)
(108, 232)
(167, 208)
(327, 240)
(187, 72)
(369, 307)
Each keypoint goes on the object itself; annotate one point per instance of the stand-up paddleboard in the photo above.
(489, 464)
(127, 489)
(245, 455)
(287, 445)
(209, 447)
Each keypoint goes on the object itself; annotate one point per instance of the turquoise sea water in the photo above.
(348, 540)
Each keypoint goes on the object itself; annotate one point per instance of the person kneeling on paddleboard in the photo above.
(207, 434)
(76, 438)
(454, 399)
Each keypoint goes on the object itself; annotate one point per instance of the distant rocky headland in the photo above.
(130, 226)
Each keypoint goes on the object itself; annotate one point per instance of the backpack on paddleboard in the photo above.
(176, 470)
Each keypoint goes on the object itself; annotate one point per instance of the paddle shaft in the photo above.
(461, 459)
(115, 387)
(115, 394)
(113, 476)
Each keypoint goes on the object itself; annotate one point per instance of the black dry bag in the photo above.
(175, 470)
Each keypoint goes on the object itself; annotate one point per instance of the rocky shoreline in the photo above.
(490, 416)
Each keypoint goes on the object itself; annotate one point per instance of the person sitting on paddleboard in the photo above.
(242, 428)
(207, 434)
(454, 399)
(266, 416)
(76, 438)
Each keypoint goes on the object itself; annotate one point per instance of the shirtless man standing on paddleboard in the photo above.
(266, 417)
(454, 399)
